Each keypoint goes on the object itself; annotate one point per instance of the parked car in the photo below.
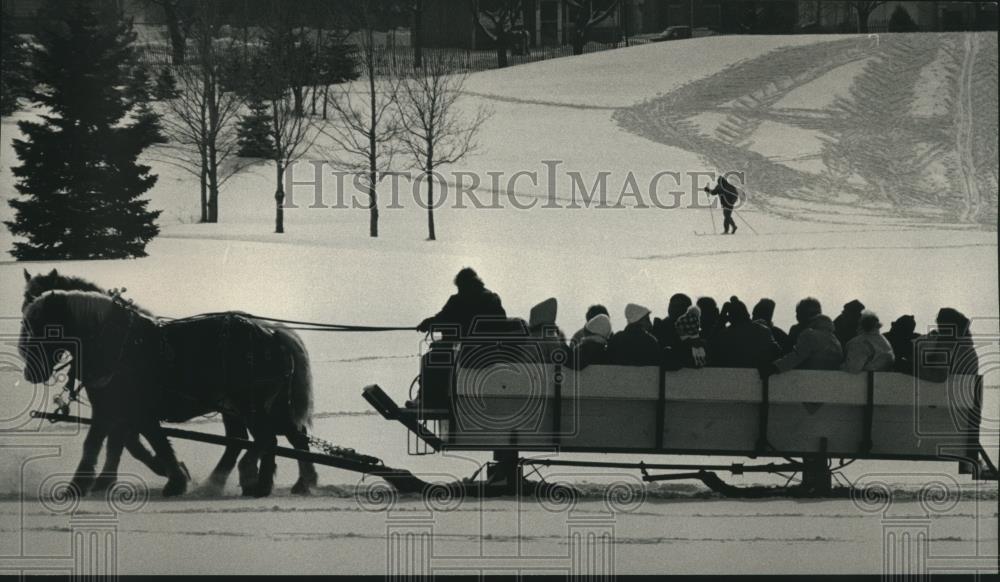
(679, 32)
(673, 33)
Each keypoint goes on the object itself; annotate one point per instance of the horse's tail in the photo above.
(300, 388)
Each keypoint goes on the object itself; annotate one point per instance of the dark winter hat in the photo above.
(737, 310)
(807, 309)
(595, 310)
(468, 280)
(707, 305)
(854, 306)
(953, 320)
(764, 309)
(679, 304)
(905, 324)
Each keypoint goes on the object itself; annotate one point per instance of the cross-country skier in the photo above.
(728, 196)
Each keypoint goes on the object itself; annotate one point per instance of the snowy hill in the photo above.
(837, 208)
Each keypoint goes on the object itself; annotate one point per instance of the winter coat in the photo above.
(962, 357)
(868, 352)
(779, 335)
(817, 348)
(902, 347)
(665, 332)
(745, 344)
(788, 346)
(633, 346)
(463, 308)
(727, 193)
(846, 324)
(591, 350)
(548, 345)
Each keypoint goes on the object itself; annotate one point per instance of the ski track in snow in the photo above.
(713, 253)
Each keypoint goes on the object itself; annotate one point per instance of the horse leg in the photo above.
(265, 440)
(177, 477)
(307, 471)
(248, 471)
(112, 458)
(84, 476)
(235, 428)
(138, 451)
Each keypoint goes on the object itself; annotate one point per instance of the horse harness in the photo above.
(201, 378)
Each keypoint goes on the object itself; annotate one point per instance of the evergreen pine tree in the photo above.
(901, 21)
(137, 88)
(166, 85)
(148, 121)
(80, 184)
(254, 130)
(15, 80)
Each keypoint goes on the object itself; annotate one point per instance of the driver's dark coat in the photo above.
(462, 308)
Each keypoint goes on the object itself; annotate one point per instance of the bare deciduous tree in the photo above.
(863, 9)
(201, 120)
(179, 16)
(292, 133)
(588, 14)
(434, 130)
(497, 19)
(365, 121)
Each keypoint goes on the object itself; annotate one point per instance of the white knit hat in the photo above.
(544, 313)
(600, 325)
(634, 312)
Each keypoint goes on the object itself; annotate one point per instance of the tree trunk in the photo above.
(372, 155)
(373, 207)
(279, 199)
(578, 42)
(212, 153)
(297, 96)
(213, 185)
(430, 203)
(177, 39)
(863, 21)
(203, 178)
(326, 95)
(418, 45)
(501, 56)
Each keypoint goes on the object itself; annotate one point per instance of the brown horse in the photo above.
(138, 371)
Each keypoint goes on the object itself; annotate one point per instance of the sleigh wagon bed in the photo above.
(814, 415)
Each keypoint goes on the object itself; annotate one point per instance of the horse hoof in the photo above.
(301, 488)
(259, 490)
(103, 484)
(175, 488)
(80, 487)
(211, 488)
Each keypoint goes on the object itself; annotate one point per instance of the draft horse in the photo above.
(138, 371)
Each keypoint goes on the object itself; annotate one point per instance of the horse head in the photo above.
(60, 325)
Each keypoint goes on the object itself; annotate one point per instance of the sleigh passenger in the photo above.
(816, 345)
(473, 300)
(634, 345)
(949, 349)
(542, 325)
(868, 351)
(592, 312)
(592, 349)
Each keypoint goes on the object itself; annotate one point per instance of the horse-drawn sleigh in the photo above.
(490, 393)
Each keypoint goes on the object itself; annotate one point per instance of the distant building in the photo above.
(551, 22)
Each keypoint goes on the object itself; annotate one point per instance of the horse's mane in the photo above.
(88, 309)
(37, 285)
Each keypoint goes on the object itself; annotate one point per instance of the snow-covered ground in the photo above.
(642, 110)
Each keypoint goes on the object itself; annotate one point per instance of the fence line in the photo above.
(390, 59)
